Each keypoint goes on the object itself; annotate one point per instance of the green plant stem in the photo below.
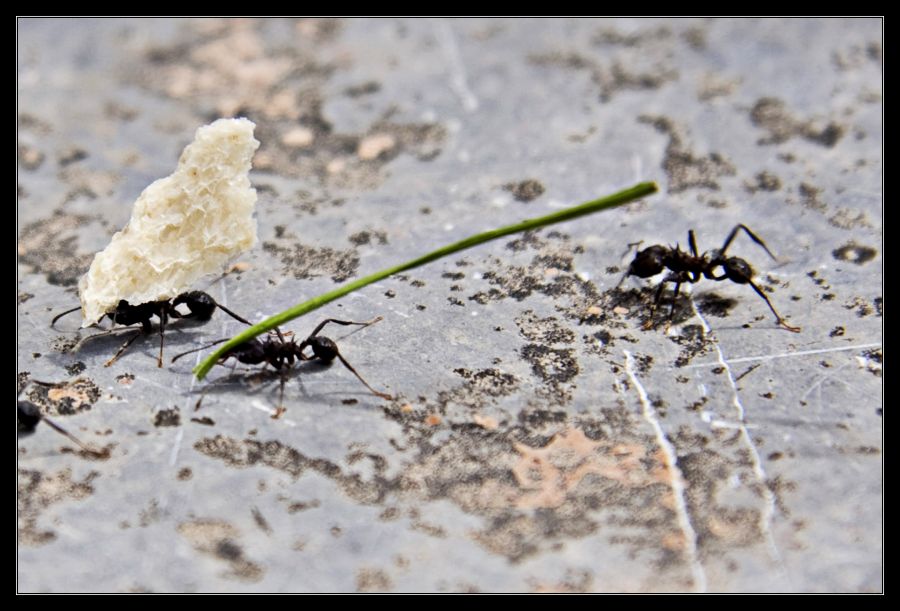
(617, 199)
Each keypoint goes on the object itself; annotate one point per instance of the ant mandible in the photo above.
(691, 267)
(281, 353)
(200, 307)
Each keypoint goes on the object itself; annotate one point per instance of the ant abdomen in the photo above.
(738, 270)
(200, 304)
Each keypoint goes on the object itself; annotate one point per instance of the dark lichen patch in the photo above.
(362, 238)
(611, 77)
(640, 304)
(304, 262)
(363, 89)
(23, 297)
(205, 420)
(764, 181)
(65, 398)
(71, 155)
(856, 56)
(555, 368)
(37, 491)
(219, 539)
(772, 115)
(277, 79)
(525, 190)
(298, 506)
(846, 218)
(712, 304)
(167, 417)
(693, 342)
(490, 382)
(810, 197)
(863, 307)
(50, 246)
(872, 361)
(75, 368)
(613, 37)
(22, 380)
(854, 253)
(709, 469)
(373, 580)
(276, 455)
(543, 330)
(684, 168)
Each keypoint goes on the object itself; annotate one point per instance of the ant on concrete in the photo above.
(692, 267)
(280, 352)
(29, 415)
(200, 307)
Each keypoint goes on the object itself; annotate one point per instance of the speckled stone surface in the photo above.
(542, 438)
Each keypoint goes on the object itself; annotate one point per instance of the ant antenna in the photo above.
(210, 345)
(753, 237)
(58, 316)
(781, 321)
(360, 378)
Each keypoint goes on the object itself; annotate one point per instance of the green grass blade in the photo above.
(617, 199)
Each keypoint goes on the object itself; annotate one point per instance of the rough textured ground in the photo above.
(542, 438)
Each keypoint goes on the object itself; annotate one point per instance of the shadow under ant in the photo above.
(639, 303)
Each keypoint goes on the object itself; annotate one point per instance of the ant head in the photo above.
(649, 261)
(737, 270)
(323, 348)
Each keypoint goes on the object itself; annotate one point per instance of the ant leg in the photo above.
(84, 447)
(58, 316)
(340, 322)
(123, 348)
(163, 317)
(662, 285)
(366, 384)
(781, 321)
(218, 341)
(674, 299)
(693, 243)
(752, 235)
(233, 315)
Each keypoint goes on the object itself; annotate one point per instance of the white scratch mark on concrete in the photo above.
(768, 512)
(782, 355)
(681, 510)
(257, 404)
(458, 79)
(176, 447)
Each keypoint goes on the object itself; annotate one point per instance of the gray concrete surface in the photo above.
(542, 438)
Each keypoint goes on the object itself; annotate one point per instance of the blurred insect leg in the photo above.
(781, 321)
(366, 384)
(123, 348)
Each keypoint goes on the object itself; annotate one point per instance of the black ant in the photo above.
(200, 305)
(29, 415)
(281, 353)
(691, 267)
